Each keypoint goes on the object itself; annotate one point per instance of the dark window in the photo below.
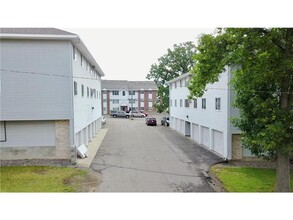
(186, 103)
(80, 59)
(204, 103)
(88, 92)
(75, 88)
(115, 92)
(73, 53)
(195, 103)
(82, 90)
(123, 93)
(180, 102)
(218, 103)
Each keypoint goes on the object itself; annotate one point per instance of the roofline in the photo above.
(74, 38)
(179, 77)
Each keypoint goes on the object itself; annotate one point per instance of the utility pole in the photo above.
(131, 103)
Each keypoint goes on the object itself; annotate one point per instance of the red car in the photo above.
(146, 114)
(151, 121)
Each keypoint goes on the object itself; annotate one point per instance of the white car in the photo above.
(103, 120)
(137, 114)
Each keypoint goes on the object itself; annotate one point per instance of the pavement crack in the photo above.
(106, 166)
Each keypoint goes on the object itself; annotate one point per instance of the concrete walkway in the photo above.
(93, 147)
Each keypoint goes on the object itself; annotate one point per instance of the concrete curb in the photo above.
(92, 147)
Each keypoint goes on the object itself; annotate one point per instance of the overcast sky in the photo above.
(127, 54)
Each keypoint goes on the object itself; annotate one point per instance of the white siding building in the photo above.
(50, 95)
(206, 120)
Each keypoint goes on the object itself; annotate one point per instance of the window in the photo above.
(75, 88)
(123, 93)
(132, 101)
(203, 104)
(175, 85)
(180, 82)
(170, 102)
(180, 102)
(74, 53)
(142, 108)
(195, 103)
(115, 92)
(115, 101)
(81, 59)
(82, 90)
(175, 102)
(131, 92)
(116, 109)
(218, 103)
(186, 103)
(88, 92)
(141, 92)
(99, 94)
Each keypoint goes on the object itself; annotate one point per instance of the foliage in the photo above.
(176, 62)
(262, 81)
(247, 179)
(38, 179)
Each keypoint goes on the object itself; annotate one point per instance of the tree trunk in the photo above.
(283, 173)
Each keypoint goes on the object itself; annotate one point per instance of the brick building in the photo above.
(125, 95)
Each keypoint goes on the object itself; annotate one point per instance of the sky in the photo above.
(126, 38)
(128, 53)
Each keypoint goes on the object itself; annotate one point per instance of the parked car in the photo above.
(137, 114)
(121, 114)
(151, 121)
(146, 114)
(165, 121)
(103, 120)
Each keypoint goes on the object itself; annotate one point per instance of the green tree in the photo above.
(176, 62)
(263, 83)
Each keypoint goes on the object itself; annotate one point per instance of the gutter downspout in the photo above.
(71, 120)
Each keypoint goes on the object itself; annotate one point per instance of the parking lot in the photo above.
(134, 157)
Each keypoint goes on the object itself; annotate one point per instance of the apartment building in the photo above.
(206, 120)
(50, 95)
(125, 95)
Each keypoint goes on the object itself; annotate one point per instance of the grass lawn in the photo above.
(247, 179)
(39, 179)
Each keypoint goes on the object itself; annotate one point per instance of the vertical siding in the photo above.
(35, 80)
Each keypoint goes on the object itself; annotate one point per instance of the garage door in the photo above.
(195, 132)
(218, 142)
(182, 126)
(205, 136)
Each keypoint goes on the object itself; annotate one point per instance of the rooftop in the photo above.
(129, 85)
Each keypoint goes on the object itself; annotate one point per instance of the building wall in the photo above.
(144, 100)
(87, 105)
(36, 140)
(35, 82)
(209, 126)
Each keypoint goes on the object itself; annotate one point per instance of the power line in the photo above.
(47, 74)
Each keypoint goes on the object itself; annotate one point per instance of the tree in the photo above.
(174, 63)
(263, 83)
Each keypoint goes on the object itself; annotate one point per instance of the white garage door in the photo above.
(205, 136)
(182, 127)
(218, 140)
(195, 132)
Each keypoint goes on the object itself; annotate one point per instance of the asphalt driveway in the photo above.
(134, 157)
